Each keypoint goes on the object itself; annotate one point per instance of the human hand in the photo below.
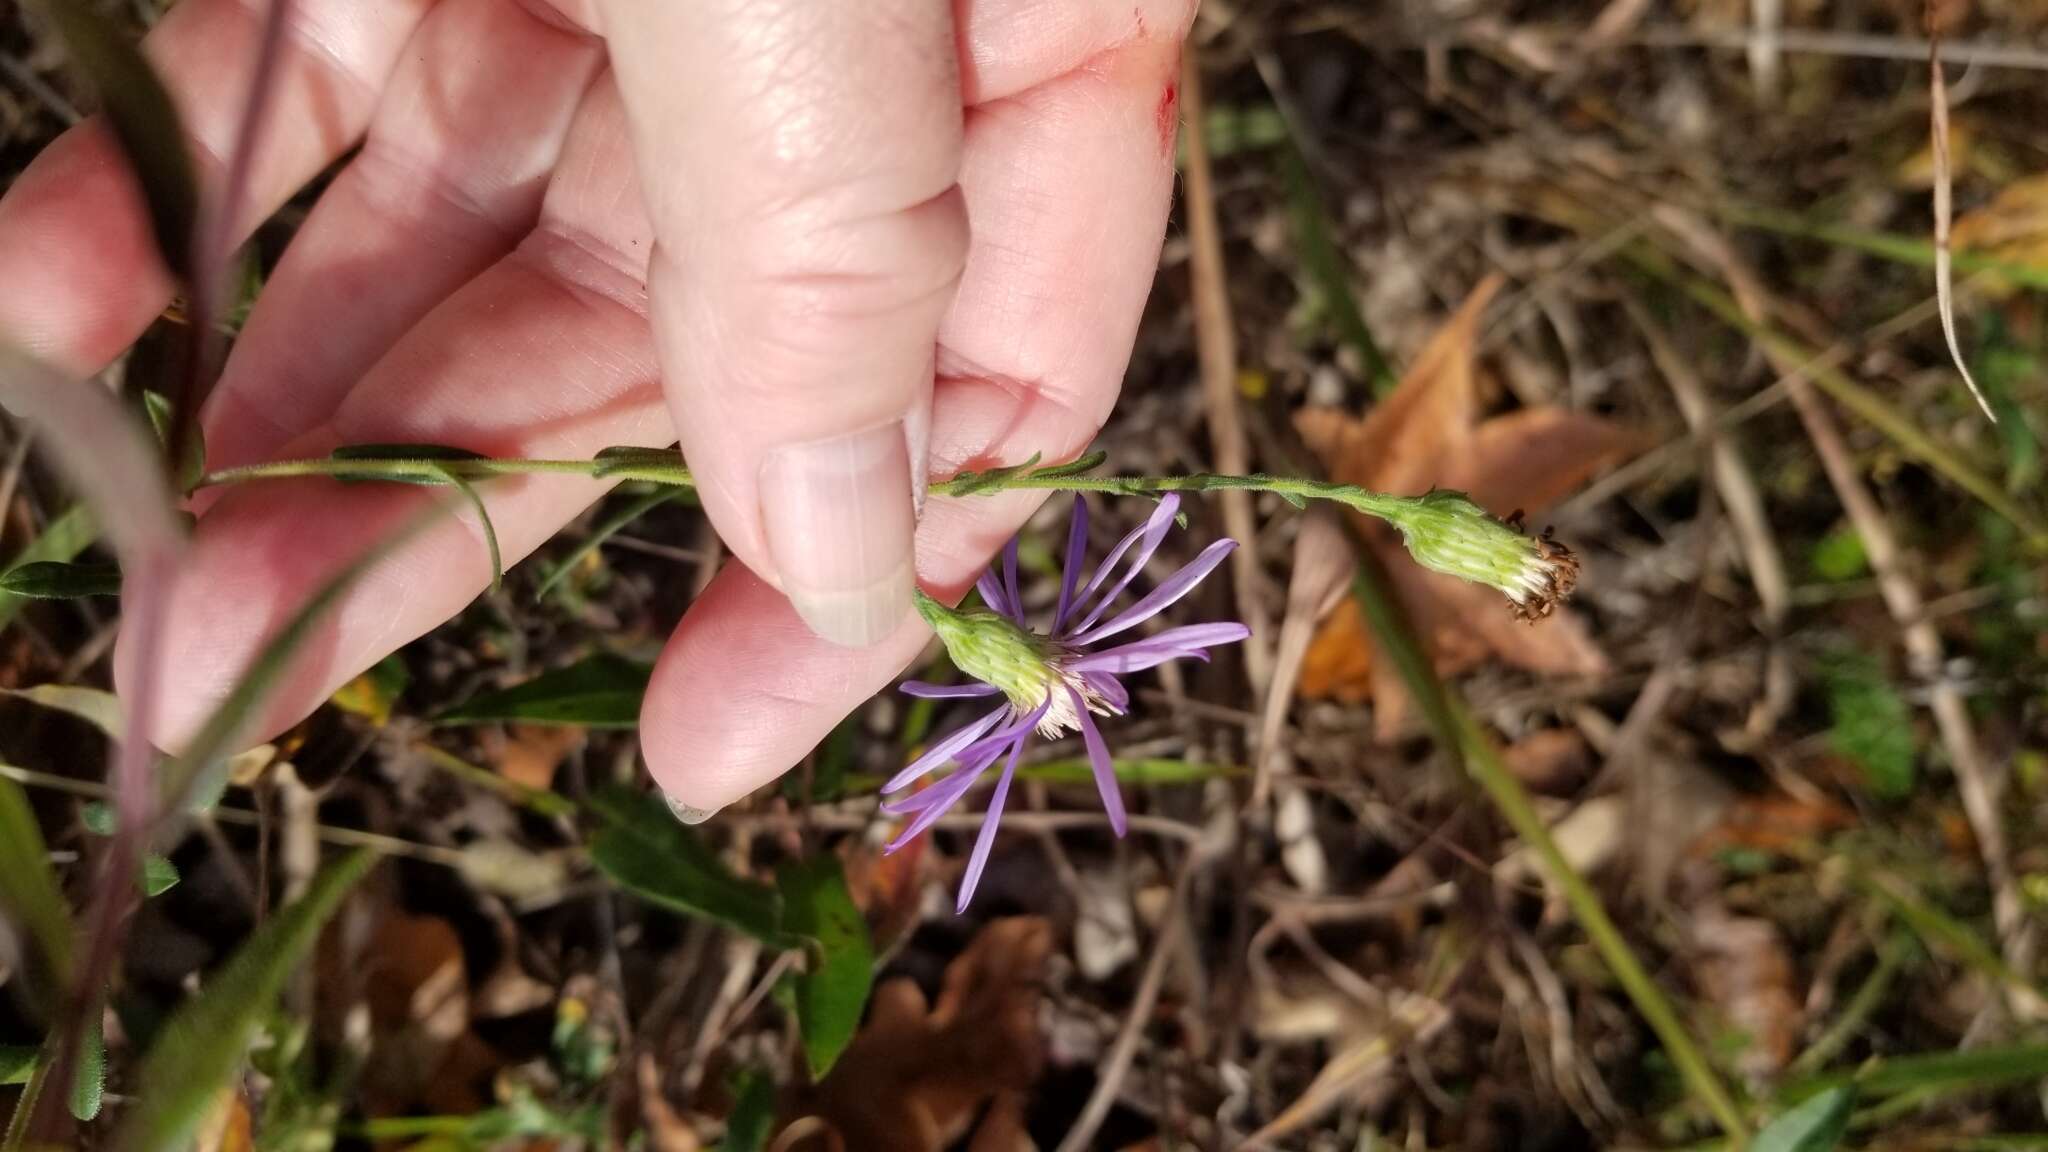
(479, 275)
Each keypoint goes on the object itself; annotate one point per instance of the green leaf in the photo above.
(203, 1043)
(1872, 724)
(1080, 771)
(159, 875)
(602, 691)
(98, 817)
(1329, 269)
(17, 1061)
(144, 119)
(753, 1112)
(661, 465)
(30, 894)
(95, 706)
(57, 580)
(89, 1086)
(62, 539)
(404, 452)
(644, 849)
(1838, 556)
(1969, 1070)
(1815, 1126)
(605, 530)
(483, 519)
(833, 989)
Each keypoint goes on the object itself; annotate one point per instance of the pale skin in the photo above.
(830, 244)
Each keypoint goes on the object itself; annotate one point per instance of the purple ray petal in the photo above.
(1070, 570)
(987, 837)
(943, 751)
(1172, 644)
(938, 800)
(1010, 581)
(1105, 771)
(1111, 691)
(1151, 532)
(946, 791)
(1159, 599)
(926, 691)
(991, 589)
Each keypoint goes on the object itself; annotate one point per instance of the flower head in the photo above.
(1052, 682)
(1447, 532)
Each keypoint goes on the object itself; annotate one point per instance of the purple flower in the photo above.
(1053, 682)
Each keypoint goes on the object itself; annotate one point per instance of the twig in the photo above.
(1110, 1076)
(1216, 349)
(1944, 209)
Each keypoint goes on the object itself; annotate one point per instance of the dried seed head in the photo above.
(1446, 532)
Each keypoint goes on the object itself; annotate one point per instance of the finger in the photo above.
(548, 353)
(802, 160)
(1068, 185)
(449, 178)
(74, 226)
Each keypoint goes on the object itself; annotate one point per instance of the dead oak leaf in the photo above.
(1428, 434)
(916, 1075)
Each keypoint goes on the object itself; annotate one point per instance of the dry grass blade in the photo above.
(1216, 347)
(1944, 278)
(1415, 1019)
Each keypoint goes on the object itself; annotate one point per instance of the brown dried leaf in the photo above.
(532, 752)
(917, 1075)
(1424, 436)
(1551, 761)
(1747, 973)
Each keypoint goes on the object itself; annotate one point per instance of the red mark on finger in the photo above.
(1166, 117)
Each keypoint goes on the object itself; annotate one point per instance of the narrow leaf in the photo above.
(483, 519)
(833, 989)
(192, 775)
(89, 1086)
(1815, 1126)
(144, 119)
(645, 850)
(605, 530)
(159, 875)
(62, 539)
(753, 1112)
(17, 1061)
(95, 706)
(1872, 724)
(404, 452)
(602, 691)
(192, 454)
(57, 580)
(30, 894)
(203, 1043)
(662, 465)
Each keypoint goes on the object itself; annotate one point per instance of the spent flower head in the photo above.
(1446, 532)
(1052, 682)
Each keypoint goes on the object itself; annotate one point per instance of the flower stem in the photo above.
(1443, 530)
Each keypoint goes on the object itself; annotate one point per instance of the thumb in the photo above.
(799, 159)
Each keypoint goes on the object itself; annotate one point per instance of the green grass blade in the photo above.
(181, 778)
(144, 120)
(1818, 1125)
(30, 895)
(204, 1042)
(606, 529)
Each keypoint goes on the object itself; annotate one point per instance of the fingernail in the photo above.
(689, 815)
(917, 440)
(838, 517)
